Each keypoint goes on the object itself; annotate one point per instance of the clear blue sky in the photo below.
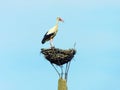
(93, 24)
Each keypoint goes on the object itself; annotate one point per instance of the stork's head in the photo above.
(60, 19)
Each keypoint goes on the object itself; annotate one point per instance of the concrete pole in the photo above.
(62, 85)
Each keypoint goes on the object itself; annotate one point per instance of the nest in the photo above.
(58, 56)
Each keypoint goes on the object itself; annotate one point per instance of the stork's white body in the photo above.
(53, 30)
(51, 33)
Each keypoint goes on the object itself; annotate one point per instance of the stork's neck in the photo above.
(57, 21)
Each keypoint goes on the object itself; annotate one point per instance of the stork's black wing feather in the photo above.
(46, 37)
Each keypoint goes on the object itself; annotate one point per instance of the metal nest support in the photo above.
(59, 57)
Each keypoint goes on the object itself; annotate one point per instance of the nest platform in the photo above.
(58, 56)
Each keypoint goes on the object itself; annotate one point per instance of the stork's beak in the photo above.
(60, 19)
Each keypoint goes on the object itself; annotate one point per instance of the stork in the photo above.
(50, 34)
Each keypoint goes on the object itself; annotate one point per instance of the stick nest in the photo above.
(58, 56)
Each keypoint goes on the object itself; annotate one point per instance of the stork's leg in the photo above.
(51, 43)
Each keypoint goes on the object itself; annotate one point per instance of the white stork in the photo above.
(50, 34)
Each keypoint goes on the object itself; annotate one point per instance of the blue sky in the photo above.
(94, 26)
